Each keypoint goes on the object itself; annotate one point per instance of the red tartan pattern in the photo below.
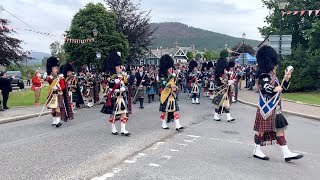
(267, 126)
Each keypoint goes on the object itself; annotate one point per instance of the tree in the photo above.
(108, 38)
(243, 48)
(189, 55)
(10, 49)
(305, 46)
(199, 56)
(55, 48)
(134, 24)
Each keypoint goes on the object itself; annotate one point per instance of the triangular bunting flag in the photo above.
(302, 12)
(289, 12)
(317, 12)
(310, 12)
(296, 12)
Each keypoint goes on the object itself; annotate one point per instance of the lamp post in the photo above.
(243, 37)
(95, 34)
(282, 6)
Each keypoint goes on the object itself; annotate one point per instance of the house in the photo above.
(179, 54)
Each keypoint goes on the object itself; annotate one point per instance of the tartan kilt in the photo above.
(163, 106)
(267, 126)
(67, 109)
(96, 91)
(109, 109)
(75, 97)
(151, 90)
(140, 93)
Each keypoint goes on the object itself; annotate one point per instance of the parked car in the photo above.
(17, 80)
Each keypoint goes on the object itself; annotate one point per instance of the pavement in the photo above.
(84, 148)
(298, 109)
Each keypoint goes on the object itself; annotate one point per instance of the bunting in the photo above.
(2, 27)
(301, 13)
(78, 41)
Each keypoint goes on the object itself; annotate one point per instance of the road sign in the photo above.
(274, 41)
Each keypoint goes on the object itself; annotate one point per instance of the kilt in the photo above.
(96, 91)
(163, 106)
(75, 97)
(66, 113)
(151, 90)
(267, 126)
(109, 109)
(140, 93)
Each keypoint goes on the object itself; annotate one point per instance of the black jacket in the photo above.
(5, 85)
(139, 78)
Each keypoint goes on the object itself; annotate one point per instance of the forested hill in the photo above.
(170, 32)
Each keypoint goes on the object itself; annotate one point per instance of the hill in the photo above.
(169, 33)
(38, 56)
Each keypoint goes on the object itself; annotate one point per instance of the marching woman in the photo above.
(193, 82)
(210, 77)
(223, 94)
(116, 103)
(270, 124)
(168, 103)
(151, 86)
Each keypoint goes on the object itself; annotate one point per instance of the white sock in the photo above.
(257, 151)
(233, 99)
(114, 128)
(164, 124)
(287, 153)
(58, 120)
(216, 116)
(54, 122)
(197, 100)
(177, 123)
(193, 101)
(229, 117)
(123, 128)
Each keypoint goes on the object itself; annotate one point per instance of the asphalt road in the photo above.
(85, 149)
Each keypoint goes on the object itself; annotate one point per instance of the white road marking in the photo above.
(157, 145)
(188, 141)
(130, 161)
(165, 157)
(193, 136)
(116, 170)
(154, 165)
(174, 150)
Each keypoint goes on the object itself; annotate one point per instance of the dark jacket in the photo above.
(139, 78)
(5, 85)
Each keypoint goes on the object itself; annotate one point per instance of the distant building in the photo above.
(179, 54)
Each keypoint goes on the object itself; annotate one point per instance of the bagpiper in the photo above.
(270, 123)
(116, 102)
(223, 92)
(194, 82)
(55, 100)
(72, 85)
(204, 78)
(151, 86)
(210, 77)
(141, 86)
(168, 103)
(88, 91)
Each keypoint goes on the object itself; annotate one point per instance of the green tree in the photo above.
(108, 38)
(243, 48)
(198, 55)
(190, 55)
(305, 47)
(55, 48)
(10, 49)
(208, 55)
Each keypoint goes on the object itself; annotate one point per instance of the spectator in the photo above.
(28, 79)
(5, 87)
(36, 87)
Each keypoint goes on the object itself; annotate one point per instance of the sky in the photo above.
(231, 17)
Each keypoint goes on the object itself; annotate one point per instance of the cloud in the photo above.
(232, 17)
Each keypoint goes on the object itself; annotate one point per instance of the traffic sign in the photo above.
(274, 41)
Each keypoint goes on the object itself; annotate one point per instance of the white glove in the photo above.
(61, 75)
(230, 82)
(174, 74)
(122, 89)
(55, 87)
(117, 81)
(51, 77)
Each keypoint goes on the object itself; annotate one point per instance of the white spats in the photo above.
(197, 101)
(164, 124)
(123, 128)
(58, 119)
(211, 96)
(178, 126)
(216, 116)
(287, 153)
(193, 101)
(114, 128)
(257, 151)
(229, 118)
(54, 121)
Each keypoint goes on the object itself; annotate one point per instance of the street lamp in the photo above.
(95, 32)
(243, 37)
(282, 6)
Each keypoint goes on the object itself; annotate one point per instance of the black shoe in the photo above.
(115, 133)
(6, 108)
(141, 107)
(166, 128)
(1, 109)
(231, 120)
(179, 129)
(294, 158)
(59, 124)
(217, 119)
(250, 89)
(149, 101)
(127, 134)
(262, 158)
(134, 102)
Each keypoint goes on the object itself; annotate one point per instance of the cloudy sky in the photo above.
(232, 17)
